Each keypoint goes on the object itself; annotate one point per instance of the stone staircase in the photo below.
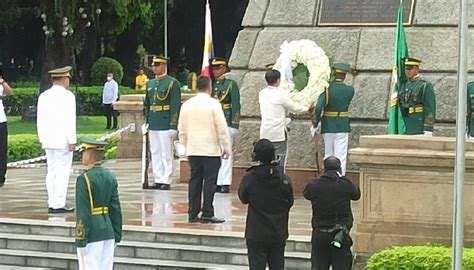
(49, 245)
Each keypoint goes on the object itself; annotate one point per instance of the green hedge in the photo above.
(89, 99)
(26, 146)
(417, 258)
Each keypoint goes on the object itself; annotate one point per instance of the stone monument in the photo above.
(367, 47)
(407, 185)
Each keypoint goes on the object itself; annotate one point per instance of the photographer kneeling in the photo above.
(269, 194)
(331, 195)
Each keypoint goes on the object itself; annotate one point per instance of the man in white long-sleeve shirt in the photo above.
(56, 124)
(109, 96)
(274, 107)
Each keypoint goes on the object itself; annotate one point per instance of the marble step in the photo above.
(149, 250)
(56, 260)
(150, 234)
(13, 267)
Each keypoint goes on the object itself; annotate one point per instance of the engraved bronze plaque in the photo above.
(363, 12)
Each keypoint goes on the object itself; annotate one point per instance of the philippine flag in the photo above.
(208, 46)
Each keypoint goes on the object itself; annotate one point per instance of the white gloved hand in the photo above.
(179, 149)
(144, 129)
(233, 132)
(428, 133)
(173, 133)
(313, 131)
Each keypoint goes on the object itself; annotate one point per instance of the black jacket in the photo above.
(270, 196)
(331, 196)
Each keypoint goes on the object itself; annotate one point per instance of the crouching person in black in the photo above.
(269, 194)
(331, 195)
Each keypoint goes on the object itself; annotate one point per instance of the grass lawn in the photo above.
(84, 125)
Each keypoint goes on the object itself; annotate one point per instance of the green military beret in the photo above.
(341, 67)
(412, 61)
(60, 72)
(89, 143)
(218, 61)
(160, 59)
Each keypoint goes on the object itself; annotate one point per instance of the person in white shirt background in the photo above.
(109, 96)
(5, 90)
(274, 108)
(56, 124)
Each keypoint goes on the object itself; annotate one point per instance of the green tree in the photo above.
(66, 22)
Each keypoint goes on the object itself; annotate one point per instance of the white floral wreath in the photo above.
(308, 53)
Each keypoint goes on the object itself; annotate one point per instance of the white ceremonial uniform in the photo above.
(56, 124)
(224, 178)
(335, 144)
(97, 255)
(161, 148)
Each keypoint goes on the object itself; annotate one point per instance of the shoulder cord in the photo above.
(156, 94)
(226, 93)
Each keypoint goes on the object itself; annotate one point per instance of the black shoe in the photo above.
(61, 210)
(194, 219)
(218, 189)
(155, 186)
(225, 189)
(211, 220)
(2, 184)
(165, 187)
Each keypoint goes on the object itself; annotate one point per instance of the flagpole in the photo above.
(458, 209)
(165, 18)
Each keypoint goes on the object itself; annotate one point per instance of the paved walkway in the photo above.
(24, 197)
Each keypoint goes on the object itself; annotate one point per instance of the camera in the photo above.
(338, 239)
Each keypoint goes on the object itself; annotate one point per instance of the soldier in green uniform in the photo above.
(417, 101)
(227, 92)
(332, 113)
(470, 110)
(98, 212)
(162, 104)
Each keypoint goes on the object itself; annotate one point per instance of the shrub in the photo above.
(23, 146)
(89, 99)
(104, 65)
(417, 257)
(26, 146)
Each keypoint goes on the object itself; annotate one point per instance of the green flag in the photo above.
(396, 124)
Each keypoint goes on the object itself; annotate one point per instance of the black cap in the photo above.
(264, 151)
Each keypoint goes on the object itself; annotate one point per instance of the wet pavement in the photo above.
(24, 197)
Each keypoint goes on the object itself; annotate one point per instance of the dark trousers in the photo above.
(262, 253)
(3, 151)
(110, 114)
(323, 254)
(204, 172)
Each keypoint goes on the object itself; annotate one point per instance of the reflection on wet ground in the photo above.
(24, 197)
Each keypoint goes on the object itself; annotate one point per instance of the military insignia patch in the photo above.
(80, 230)
(430, 119)
(236, 119)
(174, 119)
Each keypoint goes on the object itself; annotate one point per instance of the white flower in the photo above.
(98, 11)
(81, 9)
(308, 53)
(84, 16)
